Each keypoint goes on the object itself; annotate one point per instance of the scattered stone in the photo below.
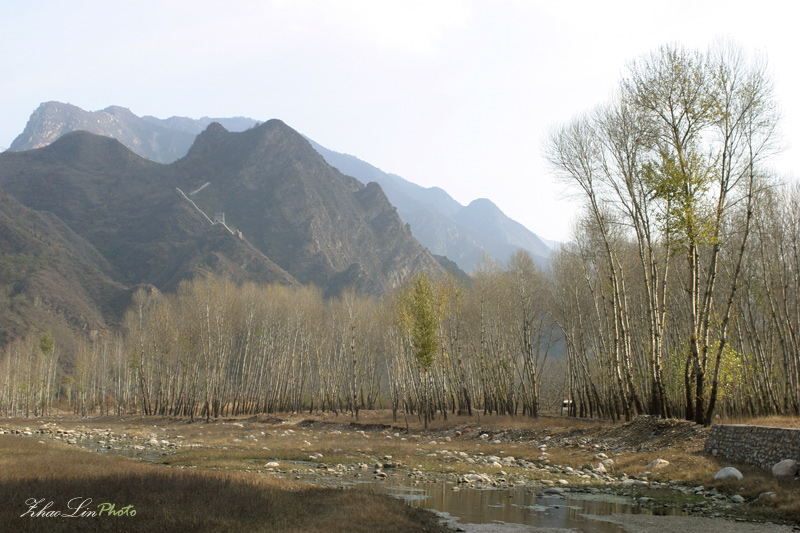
(786, 468)
(765, 496)
(728, 472)
(737, 498)
(474, 478)
(658, 464)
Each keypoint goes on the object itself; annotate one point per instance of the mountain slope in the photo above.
(322, 226)
(51, 279)
(128, 209)
(300, 219)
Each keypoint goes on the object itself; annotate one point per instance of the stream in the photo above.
(520, 505)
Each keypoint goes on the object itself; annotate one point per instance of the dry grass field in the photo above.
(214, 476)
(167, 499)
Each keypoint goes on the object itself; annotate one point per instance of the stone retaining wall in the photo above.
(754, 445)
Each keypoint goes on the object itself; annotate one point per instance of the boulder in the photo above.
(786, 468)
(728, 473)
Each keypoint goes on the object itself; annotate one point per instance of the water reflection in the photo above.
(519, 505)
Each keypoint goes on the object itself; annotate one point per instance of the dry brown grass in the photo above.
(769, 421)
(180, 499)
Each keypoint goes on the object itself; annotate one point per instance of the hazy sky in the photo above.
(448, 93)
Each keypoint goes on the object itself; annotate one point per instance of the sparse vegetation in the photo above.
(166, 499)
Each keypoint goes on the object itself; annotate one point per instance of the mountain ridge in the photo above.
(438, 221)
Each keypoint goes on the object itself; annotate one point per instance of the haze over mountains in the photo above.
(440, 223)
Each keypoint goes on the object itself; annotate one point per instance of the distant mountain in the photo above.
(442, 224)
(439, 222)
(160, 140)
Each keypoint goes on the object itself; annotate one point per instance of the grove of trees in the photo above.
(679, 294)
(217, 349)
(680, 290)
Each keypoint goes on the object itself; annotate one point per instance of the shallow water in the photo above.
(518, 505)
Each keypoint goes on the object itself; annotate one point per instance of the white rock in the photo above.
(786, 468)
(272, 464)
(728, 472)
(737, 498)
(658, 464)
